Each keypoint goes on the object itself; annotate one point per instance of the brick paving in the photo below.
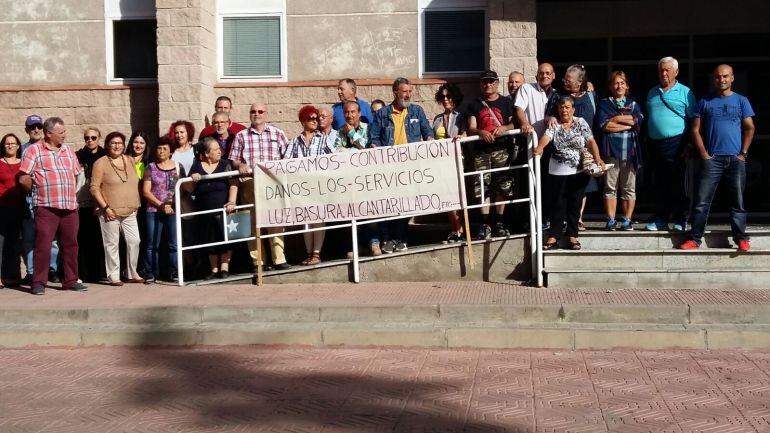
(248, 389)
(407, 293)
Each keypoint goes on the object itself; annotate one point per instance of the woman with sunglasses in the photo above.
(90, 253)
(449, 124)
(310, 142)
(12, 205)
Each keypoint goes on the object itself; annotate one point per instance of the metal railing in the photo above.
(534, 200)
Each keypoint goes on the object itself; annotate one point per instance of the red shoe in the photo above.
(743, 245)
(688, 245)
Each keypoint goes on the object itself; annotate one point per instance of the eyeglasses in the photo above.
(257, 111)
(11, 144)
(312, 119)
(115, 143)
(89, 138)
(444, 96)
(35, 126)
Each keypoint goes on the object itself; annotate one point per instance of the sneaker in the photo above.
(688, 245)
(626, 224)
(27, 279)
(224, 274)
(52, 277)
(282, 267)
(400, 246)
(743, 245)
(77, 287)
(485, 232)
(375, 247)
(37, 290)
(546, 225)
(454, 237)
(388, 247)
(656, 225)
(679, 228)
(611, 223)
(501, 231)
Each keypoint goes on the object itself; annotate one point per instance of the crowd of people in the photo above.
(72, 208)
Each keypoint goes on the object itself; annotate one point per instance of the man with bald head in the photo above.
(515, 81)
(722, 131)
(259, 142)
(534, 100)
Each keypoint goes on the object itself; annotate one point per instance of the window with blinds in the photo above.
(252, 46)
(454, 41)
(134, 53)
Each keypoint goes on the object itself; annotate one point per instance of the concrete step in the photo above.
(660, 260)
(586, 336)
(547, 326)
(646, 240)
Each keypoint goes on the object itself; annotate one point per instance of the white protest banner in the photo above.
(409, 179)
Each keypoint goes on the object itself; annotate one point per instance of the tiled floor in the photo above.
(411, 293)
(247, 389)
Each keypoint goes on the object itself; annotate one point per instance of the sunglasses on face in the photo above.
(89, 138)
(257, 111)
(312, 119)
(35, 126)
(445, 96)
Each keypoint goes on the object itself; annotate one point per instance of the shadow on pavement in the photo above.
(302, 390)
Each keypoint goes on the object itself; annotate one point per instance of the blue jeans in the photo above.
(156, 223)
(713, 170)
(28, 244)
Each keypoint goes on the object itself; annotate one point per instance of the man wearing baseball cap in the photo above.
(489, 117)
(33, 126)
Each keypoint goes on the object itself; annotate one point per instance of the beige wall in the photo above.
(50, 44)
(349, 38)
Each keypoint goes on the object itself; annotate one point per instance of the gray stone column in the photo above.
(186, 60)
(513, 39)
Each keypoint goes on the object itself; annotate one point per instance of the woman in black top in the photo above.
(213, 194)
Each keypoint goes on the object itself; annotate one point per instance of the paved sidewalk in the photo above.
(250, 389)
(417, 293)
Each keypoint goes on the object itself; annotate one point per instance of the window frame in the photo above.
(449, 6)
(114, 12)
(250, 9)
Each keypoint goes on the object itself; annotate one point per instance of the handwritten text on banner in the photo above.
(386, 181)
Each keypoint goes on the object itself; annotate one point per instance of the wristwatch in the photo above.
(744, 154)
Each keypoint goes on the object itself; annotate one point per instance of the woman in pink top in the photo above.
(12, 208)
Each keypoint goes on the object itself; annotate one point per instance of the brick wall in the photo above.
(109, 108)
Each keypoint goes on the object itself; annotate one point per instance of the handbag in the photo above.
(238, 224)
(588, 164)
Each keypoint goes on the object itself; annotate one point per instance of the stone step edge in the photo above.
(594, 232)
(678, 313)
(657, 251)
(585, 338)
(559, 270)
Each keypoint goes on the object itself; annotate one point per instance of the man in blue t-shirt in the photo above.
(670, 106)
(346, 90)
(725, 120)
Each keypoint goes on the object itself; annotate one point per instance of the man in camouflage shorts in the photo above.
(489, 117)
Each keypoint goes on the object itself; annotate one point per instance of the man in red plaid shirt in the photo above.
(259, 142)
(49, 169)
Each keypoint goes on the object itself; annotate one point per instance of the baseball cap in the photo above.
(489, 75)
(33, 120)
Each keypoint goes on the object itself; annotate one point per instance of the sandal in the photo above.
(581, 226)
(314, 259)
(551, 246)
(575, 246)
